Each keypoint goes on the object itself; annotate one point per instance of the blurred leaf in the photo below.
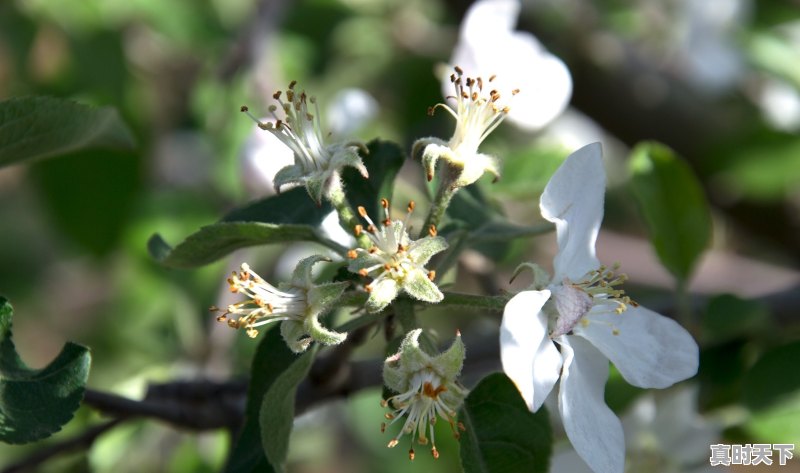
(777, 424)
(776, 55)
(720, 374)
(293, 206)
(383, 162)
(501, 434)
(619, 393)
(277, 410)
(89, 195)
(34, 404)
(505, 231)
(40, 127)
(472, 210)
(773, 378)
(764, 165)
(728, 317)
(271, 359)
(673, 205)
(212, 242)
(772, 391)
(526, 173)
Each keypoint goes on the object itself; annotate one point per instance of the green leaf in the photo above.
(277, 410)
(526, 172)
(34, 404)
(772, 391)
(212, 242)
(293, 206)
(774, 378)
(673, 205)
(383, 162)
(271, 359)
(89, 195)
(41, 127)
(501, 433)
(728, 317)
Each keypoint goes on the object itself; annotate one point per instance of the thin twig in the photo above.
(79, 442)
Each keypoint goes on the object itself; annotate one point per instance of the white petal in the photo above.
(650, 351)
(529, 357)
(489, 19)
(595, 432)
(573, 200)
(543, 79)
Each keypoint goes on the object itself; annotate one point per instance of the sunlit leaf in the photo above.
(34, 404)
(271, 359)
(277, 410)
(212, 242)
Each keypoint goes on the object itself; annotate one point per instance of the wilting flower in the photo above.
(297, 305)
(477, 113)
(427, 389)
(317, 165)
(583, 311)
(488, 45)
(395, 262)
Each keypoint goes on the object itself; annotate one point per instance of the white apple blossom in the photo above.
(427, 388)
(572, 325)
(395, 262)
(297, 305)
(317, 164)
(489, 46)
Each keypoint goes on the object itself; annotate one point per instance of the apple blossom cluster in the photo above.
(565, 328)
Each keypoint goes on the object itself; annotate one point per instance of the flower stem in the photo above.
(404, 311)
(451, 299)
(347, 217)
(493, 303)
(443, 197)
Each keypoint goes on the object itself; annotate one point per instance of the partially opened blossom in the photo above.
(297, 305)
(317, 164)
(426, 388)
(571, 325)
(395, 262)
(489, 46)
(478, 109)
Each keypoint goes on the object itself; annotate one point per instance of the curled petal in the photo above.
(421, 251)
(573, 200)
(301, 276)
(321, 334)
(381, 295)
(595, 432)
(295, 335)
(417, 285)
(650, 350)
(528, 355)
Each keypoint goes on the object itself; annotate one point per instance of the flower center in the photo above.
(389, 250)
(299, 129)
(265, 302)
(573, 300)
(477, 114)
(424, 400)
